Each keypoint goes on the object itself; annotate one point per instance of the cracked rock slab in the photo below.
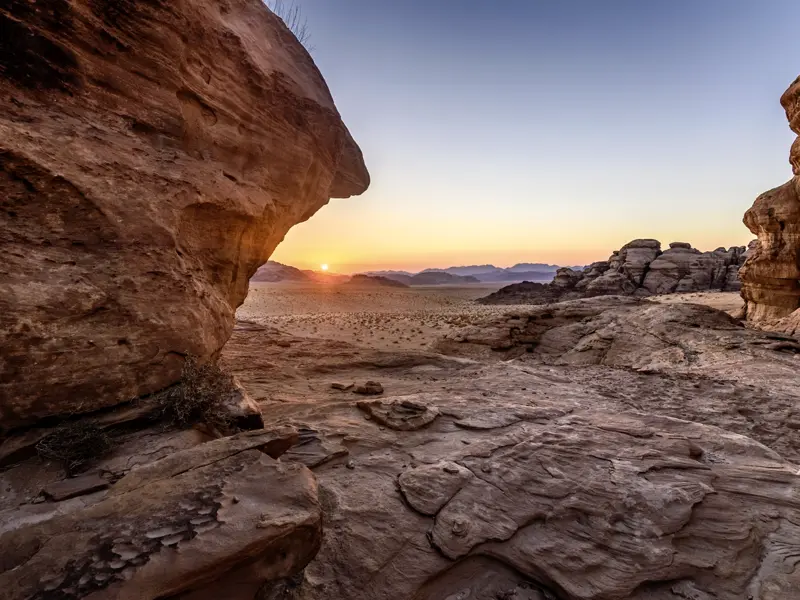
(224, 512)
(402, 413)
(428, 488)
(603, 512)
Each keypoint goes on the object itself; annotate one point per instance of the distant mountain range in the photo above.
(481, 273)
(275, 272)
(540, 272)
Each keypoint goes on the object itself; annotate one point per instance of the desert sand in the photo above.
(389, 318)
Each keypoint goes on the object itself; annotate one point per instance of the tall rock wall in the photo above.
(771, 276)
(152, 155)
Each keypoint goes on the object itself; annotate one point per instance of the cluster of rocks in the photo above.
(770, 276)
(639, 268)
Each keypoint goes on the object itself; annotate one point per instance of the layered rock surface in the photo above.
(550, 454)
(165, 515)
(152, 155)
(605, 448)
(639, 268)
(771, 276)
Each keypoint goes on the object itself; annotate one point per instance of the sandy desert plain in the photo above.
(387, 318)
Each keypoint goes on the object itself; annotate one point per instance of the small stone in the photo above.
(342, 386)
(370, 388)
(451, 469)
(351, 464)
(460, 527)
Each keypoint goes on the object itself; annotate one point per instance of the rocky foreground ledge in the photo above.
(608, 448)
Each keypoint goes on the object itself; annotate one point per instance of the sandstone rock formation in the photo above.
(572, 471)
(152, 155)
(770, 276)
(610, 447)
(639, 268)
(172, 517)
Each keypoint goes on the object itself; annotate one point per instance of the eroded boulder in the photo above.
(152, 155)
(771, 274)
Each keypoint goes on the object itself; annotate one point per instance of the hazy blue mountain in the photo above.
(474, 270)
(526, 267)
(441, 278)
(273, 272)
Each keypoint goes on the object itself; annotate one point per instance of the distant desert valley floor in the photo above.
(385, 318)
(378, 317)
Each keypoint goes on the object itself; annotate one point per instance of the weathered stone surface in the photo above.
(428, 488)
(405, 413)
(614, 331)
(580, 506)
(221, 515)
(639, 268)
(370, 388)
(771, 274)
(152, 155)
(635, 257)
(547, 475)
(74, 486)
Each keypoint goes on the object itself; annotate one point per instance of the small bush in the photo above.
(292, 15)
(74, 445)
(200, 397)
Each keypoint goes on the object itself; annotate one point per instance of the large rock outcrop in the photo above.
(152, 155)
(639, 268)
(771, 276)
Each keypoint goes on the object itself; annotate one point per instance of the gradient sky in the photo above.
(548, 131)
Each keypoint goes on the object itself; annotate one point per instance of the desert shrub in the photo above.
(200, 397)
(74, 445)
(292, 15)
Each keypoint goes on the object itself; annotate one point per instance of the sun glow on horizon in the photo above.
(324, 267)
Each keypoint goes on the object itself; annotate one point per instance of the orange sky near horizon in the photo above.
(546, 133)
(350, 237)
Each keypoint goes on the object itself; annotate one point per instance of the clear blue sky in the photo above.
(549, 131)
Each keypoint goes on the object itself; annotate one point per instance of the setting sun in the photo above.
(324, 267)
